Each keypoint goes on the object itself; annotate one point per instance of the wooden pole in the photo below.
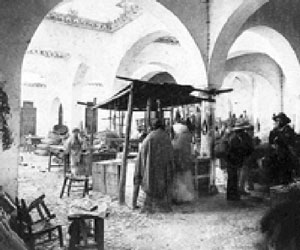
(115, 121)
(148, 114)
(171, 116)
(90, 160)
(159, 110)
(110, 119)
(211, 133)
(122, 188)
(120, 124)
(93, 121)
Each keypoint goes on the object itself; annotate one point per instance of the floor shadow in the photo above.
(218, 203)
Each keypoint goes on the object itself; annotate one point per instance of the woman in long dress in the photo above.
(73, 147)
(183, 183)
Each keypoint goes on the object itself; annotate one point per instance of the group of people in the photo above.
(164, 164)
(164, 167)
(280, 160)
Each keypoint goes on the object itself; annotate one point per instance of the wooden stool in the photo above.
(80, 231)
(70, 179)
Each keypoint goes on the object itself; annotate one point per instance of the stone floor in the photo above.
(210, 223)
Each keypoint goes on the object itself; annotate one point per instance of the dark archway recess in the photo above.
(163, 77)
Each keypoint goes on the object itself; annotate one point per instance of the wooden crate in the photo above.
(202, 175)
(103, 156)
(106, 176)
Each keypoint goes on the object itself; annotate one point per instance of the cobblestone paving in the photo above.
(211, 223)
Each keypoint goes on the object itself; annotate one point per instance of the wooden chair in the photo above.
(69, 180)
(81, 181)
(34, 223)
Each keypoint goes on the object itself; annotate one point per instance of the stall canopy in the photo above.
(169, 94)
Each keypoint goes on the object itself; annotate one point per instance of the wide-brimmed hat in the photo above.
(75, 130)
(283, 117)
(242, 125)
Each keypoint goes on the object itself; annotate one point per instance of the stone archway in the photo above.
(19, 21)
(226, 37)
(262, 65)
(277, 47)
(149, 70)
(251, 90)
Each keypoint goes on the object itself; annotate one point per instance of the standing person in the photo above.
(182, 143)
(247, 164)
(282, 157)
(239, 147)
(73, 147)
(154, 170)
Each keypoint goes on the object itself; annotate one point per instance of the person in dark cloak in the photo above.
(280, 223)
(154, 170)
(282, 157)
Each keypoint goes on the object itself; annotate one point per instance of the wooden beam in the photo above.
(90, 150)
(171, 117)
(93, 121)
(122, 187)
(159, 110)
(120, 123)
(211, 133)
(110, 119)
(148, 114)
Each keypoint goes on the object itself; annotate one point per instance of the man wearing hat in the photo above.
(282, 157)
(239, 148)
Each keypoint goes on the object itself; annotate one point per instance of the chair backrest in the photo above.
(39, 206)
(36, 212)
(24, 220)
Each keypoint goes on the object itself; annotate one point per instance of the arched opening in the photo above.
(55, 114)
(65, 49)
(251, 90)
(226, 37)
(162, 77)
(273, 44)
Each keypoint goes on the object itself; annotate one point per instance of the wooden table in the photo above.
(79, 230)
(31, 141)
(103, 156)
(58, 151)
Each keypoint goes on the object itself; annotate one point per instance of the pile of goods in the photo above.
(55, 137)
(107, 141)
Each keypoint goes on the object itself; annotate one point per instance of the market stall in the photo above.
(147, 96)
